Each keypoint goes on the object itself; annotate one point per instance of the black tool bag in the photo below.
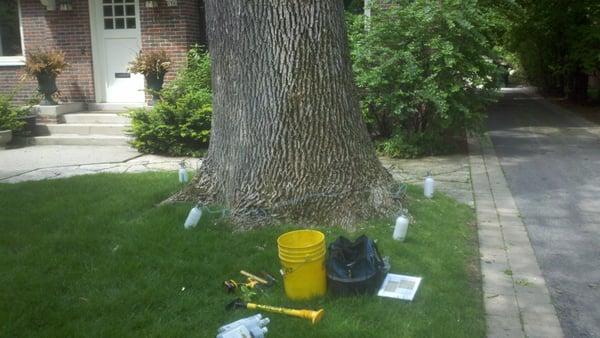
(354, 267)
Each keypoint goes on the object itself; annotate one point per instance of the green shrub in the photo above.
(425, 72)
(401, 145)
(10, 114)
(179, 124)
(398, 146)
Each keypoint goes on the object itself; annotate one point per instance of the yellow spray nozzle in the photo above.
(313, 316)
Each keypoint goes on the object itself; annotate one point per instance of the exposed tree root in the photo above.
(345, 208)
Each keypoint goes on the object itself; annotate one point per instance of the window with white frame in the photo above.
(11, 44)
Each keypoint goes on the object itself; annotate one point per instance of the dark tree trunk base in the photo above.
(345, 208)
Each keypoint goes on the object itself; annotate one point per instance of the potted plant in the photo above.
(45, 66)
(9, 120)
(153, 65)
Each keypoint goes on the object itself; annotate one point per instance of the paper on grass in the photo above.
(399, 286)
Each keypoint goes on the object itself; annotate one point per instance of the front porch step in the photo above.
(101, 128)
(118, 129)
(80, 140)
(95, 117)
(113, 106)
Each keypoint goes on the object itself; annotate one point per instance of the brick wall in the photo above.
(10, 81)
(174, 29)
(68, 31)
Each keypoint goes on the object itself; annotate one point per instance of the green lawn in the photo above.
(94, 256)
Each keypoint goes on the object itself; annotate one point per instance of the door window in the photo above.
(119, 14)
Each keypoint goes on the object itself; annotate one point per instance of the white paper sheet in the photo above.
(399, 286)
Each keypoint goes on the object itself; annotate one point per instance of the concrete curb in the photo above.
(517, 301)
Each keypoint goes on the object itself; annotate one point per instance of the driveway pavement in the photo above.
(551, 160)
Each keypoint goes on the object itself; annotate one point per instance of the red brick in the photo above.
(174, 29)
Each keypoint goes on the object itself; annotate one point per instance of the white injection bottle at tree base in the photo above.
(183, 175)
(193, 217)
(428, 185)
(401, 228)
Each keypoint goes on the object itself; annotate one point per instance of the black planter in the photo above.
(47, 87)
(154, 84)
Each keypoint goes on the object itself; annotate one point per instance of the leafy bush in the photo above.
(398, 146)
(425, 72)
(401, 145)
(179, 124)
(10, 114)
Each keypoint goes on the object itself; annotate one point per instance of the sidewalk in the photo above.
(517, 301)
(48, 162)
(451, 173)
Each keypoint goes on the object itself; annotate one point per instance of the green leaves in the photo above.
(424, 72)
(9, 114)
(555, 40)
(179, 124)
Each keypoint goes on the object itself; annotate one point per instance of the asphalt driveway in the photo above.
(551, 159)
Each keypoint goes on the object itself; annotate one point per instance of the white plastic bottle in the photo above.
(401, 228)
(193, 217)
(183, 175)
(428, 186)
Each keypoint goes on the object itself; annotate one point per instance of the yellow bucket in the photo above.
(302, 256)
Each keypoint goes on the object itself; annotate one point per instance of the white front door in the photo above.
(116, 42)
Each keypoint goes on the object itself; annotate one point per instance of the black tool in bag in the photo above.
(354, 267)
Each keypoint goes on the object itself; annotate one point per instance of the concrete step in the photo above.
(95, 117)
(113, 106)
(72, 139)
(82, 129)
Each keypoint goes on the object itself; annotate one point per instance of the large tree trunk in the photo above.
(288, 140)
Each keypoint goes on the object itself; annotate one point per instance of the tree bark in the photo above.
(288, 140)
